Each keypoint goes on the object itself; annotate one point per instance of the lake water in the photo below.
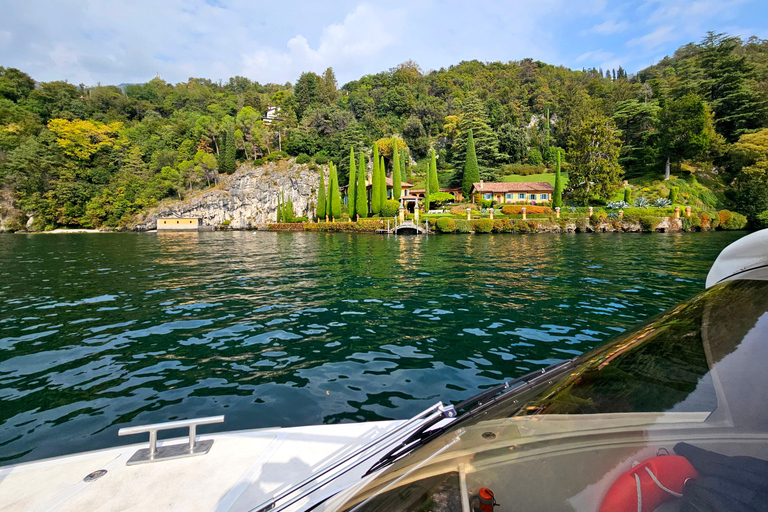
(99, 332)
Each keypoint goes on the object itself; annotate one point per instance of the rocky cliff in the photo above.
(245, 199)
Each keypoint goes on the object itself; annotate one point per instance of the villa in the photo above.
(525, 192)
(454, 191)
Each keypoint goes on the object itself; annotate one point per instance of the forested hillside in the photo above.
(89, 156)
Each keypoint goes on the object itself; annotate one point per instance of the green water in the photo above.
(98, 332)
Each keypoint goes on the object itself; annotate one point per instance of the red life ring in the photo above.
(648, 485)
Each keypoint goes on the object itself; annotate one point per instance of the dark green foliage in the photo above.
(352, 184)
(471, 169)
(557, 195)
(376, 193)
(321, 159)
(361, 201)
(303, 158)
(731, 220)
(751, 194)
(390, 208)
(513, 141)
(628, 195)
(334, 198)
(228, 164)
(463, 225)
(382, 181)
(396, 177)
(445, 225)
(762, 220)
(279, 217)
(534, 157)
(322, 208)
(685, 128)
(473, 119)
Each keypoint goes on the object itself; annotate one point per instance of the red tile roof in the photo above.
(534, 186)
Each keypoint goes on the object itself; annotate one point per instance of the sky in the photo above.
(131, 41)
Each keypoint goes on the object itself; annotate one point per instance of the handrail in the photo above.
(404, 430)
(175, 451)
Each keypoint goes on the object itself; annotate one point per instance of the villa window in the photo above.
(488, 197)
(509, 196)
(544, 196)
(532, 197)
(521, 196)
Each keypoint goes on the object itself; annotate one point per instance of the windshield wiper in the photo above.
(473, 406)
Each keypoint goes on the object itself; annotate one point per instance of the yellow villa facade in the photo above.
(512, 193)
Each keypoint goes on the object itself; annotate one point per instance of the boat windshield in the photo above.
(697, 374)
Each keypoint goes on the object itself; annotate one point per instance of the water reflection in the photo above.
(97, 332)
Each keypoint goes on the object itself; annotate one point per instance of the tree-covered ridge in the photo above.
(91, 156)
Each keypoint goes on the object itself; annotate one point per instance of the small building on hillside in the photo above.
(179, 224)
(273, 114)
(523, 192)
(456, 192)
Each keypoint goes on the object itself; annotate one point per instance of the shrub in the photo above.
(303, 158)
(534, 157)
(673, 192)
(276, 156)
(724, 216)
(258, 162)
(632, 218)
(691, 223)
(446, 225)
(522, 227)
(734, 221)
(462, 225)
(627, 195)
(390, 208)
(482, 225)
(299, 219)
(598, 217)
(321, 159)
(462, 209)
(517, 209)
(762, 219)
(486, 203)
(649, 223)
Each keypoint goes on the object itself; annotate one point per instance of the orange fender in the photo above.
(648, 485)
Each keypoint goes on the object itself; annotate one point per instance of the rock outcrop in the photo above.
(246, 199)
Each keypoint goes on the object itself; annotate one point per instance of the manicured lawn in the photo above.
(548, 177)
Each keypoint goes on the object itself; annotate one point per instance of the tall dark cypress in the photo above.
(361, 201)
(321, 206)
(230, 163)
(396, 186)
(471, 169)
(352, 186)
(557, 196)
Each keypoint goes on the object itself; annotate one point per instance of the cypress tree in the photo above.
(471, 170)
(628, 195)
(382, 182)
(557, 196)
(335, 199)
(328, 210)
(404, 169)
(396, 186)
(351, 190)
(434, 183)
(279, 217)
(426, 191)
(361, 201)
(229, 151)
(321, 207)
(375, 182)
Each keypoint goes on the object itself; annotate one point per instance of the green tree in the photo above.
(728, 86)
(427, 188)
(396, 181)
(230, 164)
(361, 202)
(513, 142)
(335, 198)
(322, 208)
(473, 120)
(471, 169)
(404, 167)
(382, 182)
(434, 183)
(306, 93)
(375, 183)
(557, 196)
(352, 186)
(685, 130)
(279, 217)
(594, 153)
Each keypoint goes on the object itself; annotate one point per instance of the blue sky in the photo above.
(111, 42)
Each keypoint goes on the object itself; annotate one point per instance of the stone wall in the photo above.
(248, 198)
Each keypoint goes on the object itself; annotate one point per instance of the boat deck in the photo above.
(241, 471)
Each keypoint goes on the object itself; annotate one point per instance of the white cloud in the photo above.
(661, 35)
(364, 34)
(594, 56)
(607, 28)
